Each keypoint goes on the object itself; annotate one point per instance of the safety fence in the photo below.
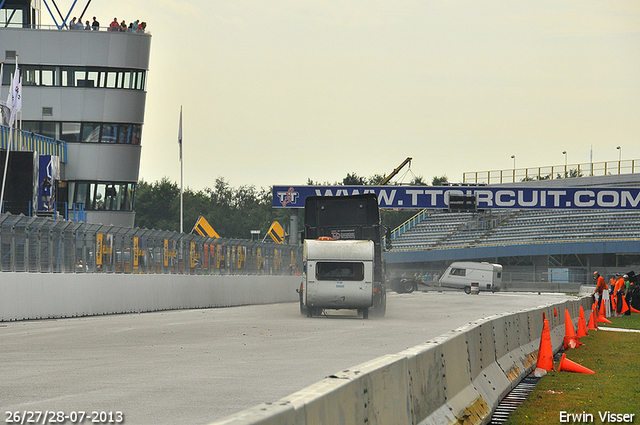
(552, 172)
(27, 141)
(36, 244)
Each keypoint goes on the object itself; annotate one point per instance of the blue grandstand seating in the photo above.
(443, 230)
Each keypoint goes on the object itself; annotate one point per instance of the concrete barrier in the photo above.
(43, 295)
(459, 377)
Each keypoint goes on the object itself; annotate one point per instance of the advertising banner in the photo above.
(418, 197)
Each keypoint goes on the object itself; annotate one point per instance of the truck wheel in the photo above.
(365, 313)
(380, 305)
(303, 308)
(309, 312)
(467, 290)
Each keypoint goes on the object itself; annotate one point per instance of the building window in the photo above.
(50, 129)
(30, 75)
(91, 132)
(70, 132)
(109, 133)
(77, 76)
(103, 196)
(87, 132)
(50, 76)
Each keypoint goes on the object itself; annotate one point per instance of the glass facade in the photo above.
(78, 76)
(86, 132)
(103, 196)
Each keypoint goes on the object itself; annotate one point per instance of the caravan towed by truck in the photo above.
(338, 275)
(342, 254)
(464, 274)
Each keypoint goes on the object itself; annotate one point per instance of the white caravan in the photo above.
(463, 274)
(337, 275)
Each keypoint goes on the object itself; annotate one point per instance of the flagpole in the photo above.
(181, 174)
(6, 165)
(13, 97)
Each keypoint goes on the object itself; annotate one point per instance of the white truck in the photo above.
(464, 274)
(337, 275)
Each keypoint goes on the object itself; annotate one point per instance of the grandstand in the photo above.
(442, 230)
(538, 240)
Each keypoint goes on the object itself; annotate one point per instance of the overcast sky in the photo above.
(276, 92)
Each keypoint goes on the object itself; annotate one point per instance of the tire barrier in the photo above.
(459, 377)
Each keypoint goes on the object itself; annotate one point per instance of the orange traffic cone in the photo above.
(593, 324)
(570, 338)
(545, 352)
(582, 325)
(601, 317)
(625, 306)
(567, 365)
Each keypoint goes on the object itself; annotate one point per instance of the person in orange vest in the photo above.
(618, 292)
(601, 286)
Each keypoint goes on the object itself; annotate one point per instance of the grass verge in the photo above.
(615, 388)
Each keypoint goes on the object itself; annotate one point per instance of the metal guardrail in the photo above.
(42, 245)
(553, 172)
(28, 141)
(66, 28)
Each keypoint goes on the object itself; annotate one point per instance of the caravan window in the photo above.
(458, 272)
(339, 271)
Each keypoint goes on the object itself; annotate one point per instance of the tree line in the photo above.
(234, 212)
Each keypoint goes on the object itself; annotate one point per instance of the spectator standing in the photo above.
(123, 26)
(72, 24)
(79, 25)
(114, 25)
(95, 25)
(87, 27)
(46, 193)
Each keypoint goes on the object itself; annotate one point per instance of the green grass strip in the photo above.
(615, 388)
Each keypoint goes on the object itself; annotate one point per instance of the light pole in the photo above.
(514, 167)
(565, 163)
(619, 157)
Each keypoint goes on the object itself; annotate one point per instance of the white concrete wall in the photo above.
(459, 377)
(47, 295)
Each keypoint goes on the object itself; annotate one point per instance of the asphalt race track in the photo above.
(196, 366)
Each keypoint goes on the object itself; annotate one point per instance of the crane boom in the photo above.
(396, 171)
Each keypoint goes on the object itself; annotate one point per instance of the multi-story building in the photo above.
(88, 89)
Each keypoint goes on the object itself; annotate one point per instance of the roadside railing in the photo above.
(43, 245)
(553, 172)
(28, 141)
(66, 27)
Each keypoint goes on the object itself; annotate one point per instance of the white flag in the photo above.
(14, 100)
(4, 110)
(1, 70)
(180, 134)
